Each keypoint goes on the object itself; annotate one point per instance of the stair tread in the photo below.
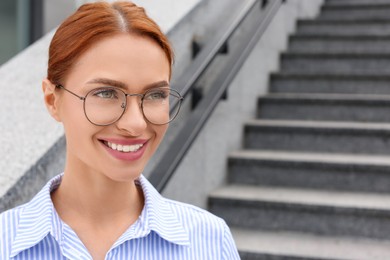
(349, 159)
(340, 37)
(319, 124)
(355, 2)
(356, 200)
(305, 245)
(326, 96)
(343, 22)
(308, 245)
(356, 6)
(370, 55)
(330, 76)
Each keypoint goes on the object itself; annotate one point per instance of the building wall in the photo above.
(8, 29)
(15, 20)
(55, 11)
(167, 13)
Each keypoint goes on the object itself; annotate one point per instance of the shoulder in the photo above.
(205, 229)
(188, 215)
(9, 221)
(22, 225)
(202, 230)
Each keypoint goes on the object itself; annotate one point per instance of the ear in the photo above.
(51, 99)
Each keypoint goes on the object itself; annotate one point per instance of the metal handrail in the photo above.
(165, 168)
(208, 53)
(201, 62)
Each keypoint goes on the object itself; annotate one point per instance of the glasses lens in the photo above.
(156, 103)
(104, 106)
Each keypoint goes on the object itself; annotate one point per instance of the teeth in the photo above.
(124, 148)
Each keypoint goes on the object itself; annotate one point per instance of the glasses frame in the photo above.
(142, 96)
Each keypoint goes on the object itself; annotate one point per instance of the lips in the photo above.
(128, 150)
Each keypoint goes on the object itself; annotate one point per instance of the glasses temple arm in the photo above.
(67, 90)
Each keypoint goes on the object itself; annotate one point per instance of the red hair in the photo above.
(93, 22)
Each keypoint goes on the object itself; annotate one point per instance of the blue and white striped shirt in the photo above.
(166, 229)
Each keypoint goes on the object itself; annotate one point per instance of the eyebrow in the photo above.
(110, 82)
(119, 84)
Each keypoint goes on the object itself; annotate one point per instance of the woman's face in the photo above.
(136, 64)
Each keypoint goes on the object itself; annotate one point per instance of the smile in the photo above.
(124, 148)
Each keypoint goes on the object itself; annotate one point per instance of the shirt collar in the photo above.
(157, 216)
(39, 218)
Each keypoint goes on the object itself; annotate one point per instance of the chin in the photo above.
(123, 176)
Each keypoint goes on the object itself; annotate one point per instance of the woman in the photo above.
(108, 84)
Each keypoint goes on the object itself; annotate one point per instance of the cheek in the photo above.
(72, 112)
(160, 132)
(74, 121)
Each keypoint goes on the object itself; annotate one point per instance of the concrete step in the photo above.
(355, 2)
(311, 83)
(317, 136)
(329, 171)
(339, 44)
(255, 244)
(356, 12)
(336, 64)
(328, 107)
(343, 28)
(310, 211)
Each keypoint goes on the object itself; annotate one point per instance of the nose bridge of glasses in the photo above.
(126, 103)
(135, 95)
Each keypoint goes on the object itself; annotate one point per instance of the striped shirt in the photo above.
(166, 229)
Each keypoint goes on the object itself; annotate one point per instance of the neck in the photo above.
(95, 198)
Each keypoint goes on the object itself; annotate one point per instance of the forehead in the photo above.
(136, 61)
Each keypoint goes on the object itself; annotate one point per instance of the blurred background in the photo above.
(285, 123)
(22, 22)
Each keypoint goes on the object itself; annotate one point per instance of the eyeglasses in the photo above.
(105, 106)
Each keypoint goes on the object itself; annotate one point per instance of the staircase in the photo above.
(313, 178)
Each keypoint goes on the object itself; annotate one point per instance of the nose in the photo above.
(132, 121)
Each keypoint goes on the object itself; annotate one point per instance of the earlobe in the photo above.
(51, 99)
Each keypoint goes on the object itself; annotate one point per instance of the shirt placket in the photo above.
(73, 248)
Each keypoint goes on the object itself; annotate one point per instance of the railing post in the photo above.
(196, 97)
(224, 48)
(263, 4)
(196, 47)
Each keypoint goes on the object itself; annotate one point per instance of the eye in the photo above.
(108, 93)
(157, 94)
